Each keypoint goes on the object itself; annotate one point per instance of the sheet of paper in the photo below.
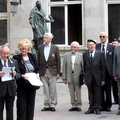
(33, 79)
(8, 72)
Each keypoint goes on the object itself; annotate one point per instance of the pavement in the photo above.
(64, 105)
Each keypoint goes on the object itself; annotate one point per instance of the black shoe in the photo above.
(72, 109)
(102, 109)
(118, 113)
(108, 109)
(89, 111)
(115, 103)
(78, 109)
(97, 111)
(45, 109)
(53, 109)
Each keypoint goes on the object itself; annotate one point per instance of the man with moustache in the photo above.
(72, 64)
(108, 50)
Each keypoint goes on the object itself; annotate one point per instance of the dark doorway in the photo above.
(113, 21)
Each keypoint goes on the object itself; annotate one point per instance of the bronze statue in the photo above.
(38, 22)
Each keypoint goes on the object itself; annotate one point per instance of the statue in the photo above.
(38, 22)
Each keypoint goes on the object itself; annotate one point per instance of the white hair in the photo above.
(104, 33)
(50, 35)
(75, 43)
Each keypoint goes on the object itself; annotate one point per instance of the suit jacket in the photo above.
(116, 63)
(67, 67)
(95, 69)
(21, 82)
(53, 61)
(109, 57)
(9, 85)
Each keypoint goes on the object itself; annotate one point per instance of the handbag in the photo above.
(81, 77)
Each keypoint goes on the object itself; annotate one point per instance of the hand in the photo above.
(2, 74)
(84, 81)
(58, 76)
(65, 81)
(37, 75)
(115, 78)
(102, 83)
(25, 77)
(33, 27)
(14, 73)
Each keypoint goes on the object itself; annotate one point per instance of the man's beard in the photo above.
(73, 51)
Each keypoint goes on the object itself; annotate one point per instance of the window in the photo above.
(113, 21)
(3, 22)
(3, 6)
(68, 21)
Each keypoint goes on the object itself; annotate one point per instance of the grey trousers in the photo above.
(49, 89)
(118, 84)
(75, 93)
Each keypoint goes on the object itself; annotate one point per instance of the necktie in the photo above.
(5, 64)
(91, 58)
(103, 48)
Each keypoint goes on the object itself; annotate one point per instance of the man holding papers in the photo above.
(7, 86)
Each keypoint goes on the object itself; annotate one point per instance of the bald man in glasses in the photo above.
(108, 49)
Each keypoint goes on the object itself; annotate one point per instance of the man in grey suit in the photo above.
(94, 73)
(72, 64)
(108, 49)
(49, 63)
(116, 71)
(7, 87)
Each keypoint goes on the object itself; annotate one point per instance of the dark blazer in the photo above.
(21, 82)
(95, 69)
(109, 57)
(116, 63)
(53, 62)
(9, 85)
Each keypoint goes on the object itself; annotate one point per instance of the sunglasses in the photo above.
(102, 36)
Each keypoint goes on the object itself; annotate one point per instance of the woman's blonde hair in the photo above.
(25, 42)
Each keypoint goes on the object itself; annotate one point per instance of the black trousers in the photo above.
(94, 93)
(25, 103)
(115, 90)
(106, 99)
(9, 102)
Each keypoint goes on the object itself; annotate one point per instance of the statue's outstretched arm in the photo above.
(50, 19)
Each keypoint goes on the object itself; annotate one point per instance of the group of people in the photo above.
(100, 63)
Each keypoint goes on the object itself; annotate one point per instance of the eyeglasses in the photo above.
(102, 36)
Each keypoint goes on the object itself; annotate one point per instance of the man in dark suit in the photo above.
(108, 49)
(116, 72)
(49, 63)
(8, 87)
(94, 72)
(115, 42)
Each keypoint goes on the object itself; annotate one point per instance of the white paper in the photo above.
(8, 72)
(33, 79)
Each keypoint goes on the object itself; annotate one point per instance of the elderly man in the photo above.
(8, 86)
(72, 64)
(115, 42)
(94, 72)
(49, 63)
(108, 50)
(38, 21)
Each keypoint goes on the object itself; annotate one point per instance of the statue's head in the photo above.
(38, 4)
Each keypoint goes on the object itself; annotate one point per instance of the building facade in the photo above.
(74, 20)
